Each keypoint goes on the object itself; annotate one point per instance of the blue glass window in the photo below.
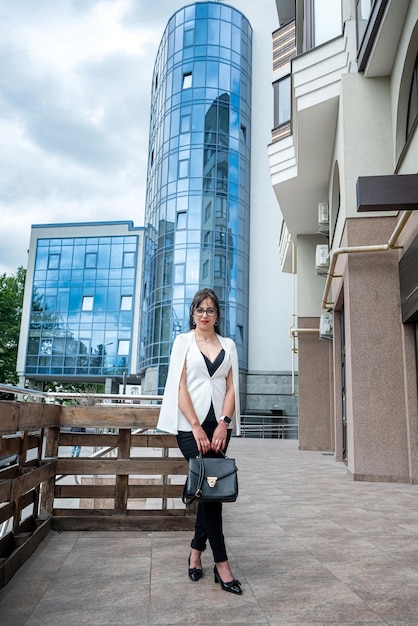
(128, 259)
(187, 80)
(53, 261)
(126, 303)
(179, 273)
(201, 194)
(88, 303)
(184, 168)
(185, 122)
(91, 260)
(188, 35)
(123, 347)
(181, 220)
(70, 331)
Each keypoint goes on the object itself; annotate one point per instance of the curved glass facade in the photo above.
(198, 184)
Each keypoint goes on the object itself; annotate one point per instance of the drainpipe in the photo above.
(294, 332)
(293, 315)
(390, 245)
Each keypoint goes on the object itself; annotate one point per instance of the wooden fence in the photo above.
(129, 481)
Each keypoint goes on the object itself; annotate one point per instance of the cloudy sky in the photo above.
(75, 80)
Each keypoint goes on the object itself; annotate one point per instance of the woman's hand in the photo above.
(201, 438)
(219, 437)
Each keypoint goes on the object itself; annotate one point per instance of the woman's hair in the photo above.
(197, 301)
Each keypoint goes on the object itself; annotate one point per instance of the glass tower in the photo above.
(198, 184)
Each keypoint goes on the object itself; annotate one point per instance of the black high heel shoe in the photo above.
(232, 587)
(195, 573)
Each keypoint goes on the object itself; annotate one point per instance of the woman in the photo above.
(202, 384)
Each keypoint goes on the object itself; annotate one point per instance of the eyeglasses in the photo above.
(210, 311)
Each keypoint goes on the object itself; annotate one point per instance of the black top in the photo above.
(212, 367)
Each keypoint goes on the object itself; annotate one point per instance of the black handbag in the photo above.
(211, 479)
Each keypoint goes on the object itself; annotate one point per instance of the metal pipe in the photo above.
(293, 314)
(24, 391)
(399, 228)
(390, 245)
(294, 333)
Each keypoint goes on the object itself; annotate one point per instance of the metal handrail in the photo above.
(63, 395)
(275, 431)
(21, 391)
(277, 426)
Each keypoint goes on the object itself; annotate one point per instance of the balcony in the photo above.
(284, 45)
(378, 36)
(125, 478)
(300, 164)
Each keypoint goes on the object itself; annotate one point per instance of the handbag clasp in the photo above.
(212, 480)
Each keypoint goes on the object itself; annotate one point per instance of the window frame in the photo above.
(278, 96)
(87, 303)
(187, 80)
(412, 112)
(309, 26)
(90, 260)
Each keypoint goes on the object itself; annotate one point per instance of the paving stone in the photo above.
(309, 545)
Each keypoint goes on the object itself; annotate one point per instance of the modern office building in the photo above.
(211, 219)
(344, 161)
(198, 183)
(81, 305)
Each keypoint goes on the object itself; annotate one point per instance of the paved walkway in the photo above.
(308, 545)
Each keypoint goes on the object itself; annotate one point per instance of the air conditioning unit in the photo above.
(322, 259)
(323, 218)
(326, 326)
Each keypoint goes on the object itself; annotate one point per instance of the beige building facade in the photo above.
(344, 167)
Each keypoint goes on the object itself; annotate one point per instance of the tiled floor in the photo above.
(309, 546)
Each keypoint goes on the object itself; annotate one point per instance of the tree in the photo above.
(86, 388)
(11, 303)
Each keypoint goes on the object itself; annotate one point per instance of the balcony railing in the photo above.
(125, 477)
(278, 427)
(284, 50)
(284, 45)
(282, 131)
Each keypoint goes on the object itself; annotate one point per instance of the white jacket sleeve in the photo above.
(168, 419)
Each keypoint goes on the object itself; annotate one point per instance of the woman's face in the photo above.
(205, 315)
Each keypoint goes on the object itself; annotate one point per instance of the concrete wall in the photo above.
(315, 399)
(270, 390)
(310, 286)
(375, 386)
(270, 290)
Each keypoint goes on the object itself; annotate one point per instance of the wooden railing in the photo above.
(125, 477)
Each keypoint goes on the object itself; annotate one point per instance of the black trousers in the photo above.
(208, 525)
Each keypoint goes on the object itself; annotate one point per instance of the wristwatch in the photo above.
(225, 419)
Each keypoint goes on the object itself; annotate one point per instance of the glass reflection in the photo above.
(76, 319)
(203, 103)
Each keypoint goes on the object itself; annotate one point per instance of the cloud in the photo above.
(74, 111)
(75, 89)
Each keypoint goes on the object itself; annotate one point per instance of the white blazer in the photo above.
(203, 388)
